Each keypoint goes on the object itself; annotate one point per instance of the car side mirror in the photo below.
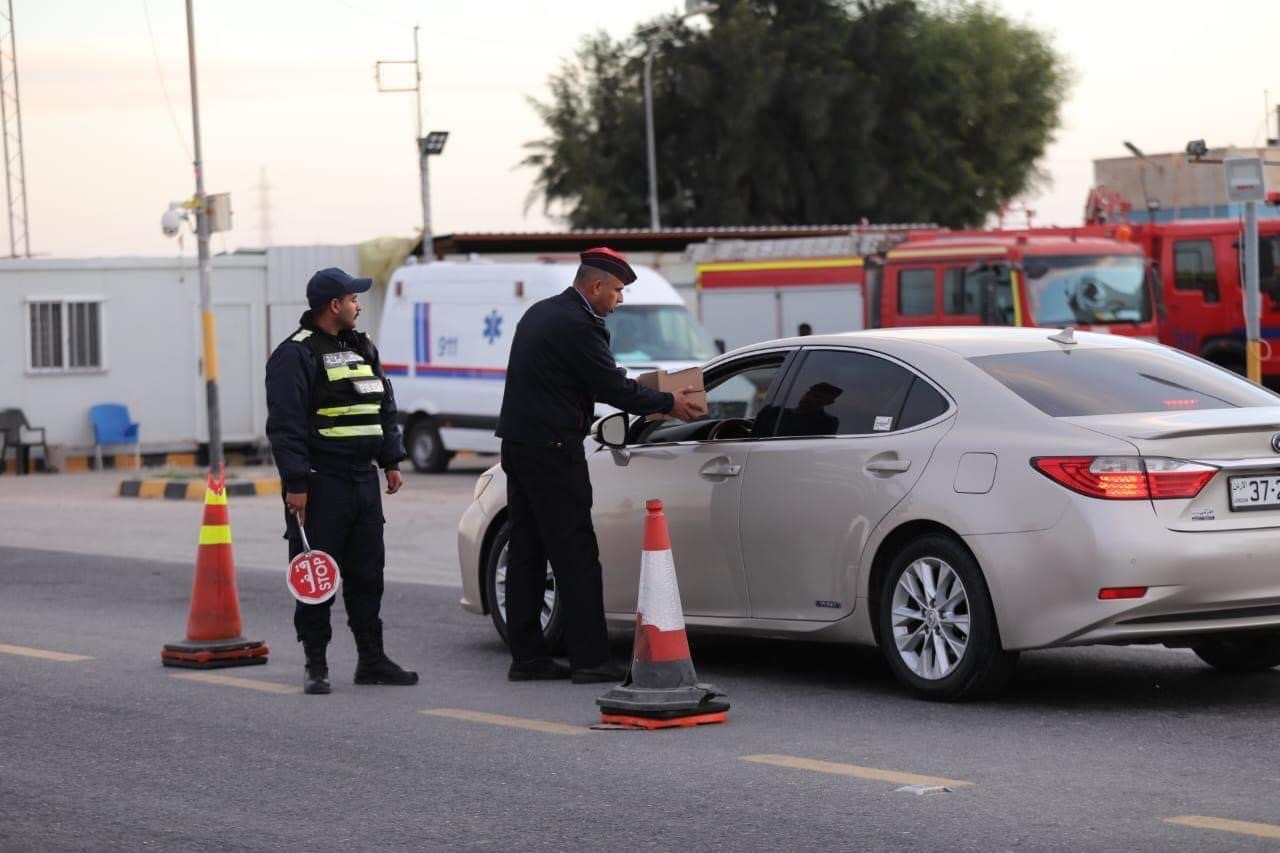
(611, 430)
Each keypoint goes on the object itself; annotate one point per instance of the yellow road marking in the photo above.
(1241, 827)
(41, 653)
(873, 773)
(513, 722)
(233, 681)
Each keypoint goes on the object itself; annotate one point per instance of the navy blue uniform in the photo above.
(560, 365)
(327, 450)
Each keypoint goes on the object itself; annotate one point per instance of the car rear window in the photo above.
(1072, 383)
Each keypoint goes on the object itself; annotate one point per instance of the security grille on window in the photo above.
(65, 335)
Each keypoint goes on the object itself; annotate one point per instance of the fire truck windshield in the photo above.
(1087, 289)
(645, 333)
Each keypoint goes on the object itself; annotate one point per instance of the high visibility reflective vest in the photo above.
(347, 392)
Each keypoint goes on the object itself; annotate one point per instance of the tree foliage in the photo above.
(803, 111)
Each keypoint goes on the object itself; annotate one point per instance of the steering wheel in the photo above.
(742, 424)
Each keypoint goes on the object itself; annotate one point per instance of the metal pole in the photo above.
(207, 325)
(648, 131)
(1253, 298)
(22, 157)
(428, 246)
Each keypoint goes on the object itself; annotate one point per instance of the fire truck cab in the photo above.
(1200, 268)
(1011, 278)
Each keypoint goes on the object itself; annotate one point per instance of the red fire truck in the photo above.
(934, 277)
(1199, 268)
(1014, 278)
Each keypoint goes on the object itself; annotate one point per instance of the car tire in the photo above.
(1243, 653)
(495, 571)
(426, 450)
(942, 645)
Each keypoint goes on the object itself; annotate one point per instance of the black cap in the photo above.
(333, 283)
(604, 258)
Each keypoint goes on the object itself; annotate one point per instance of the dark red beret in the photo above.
(603, 258)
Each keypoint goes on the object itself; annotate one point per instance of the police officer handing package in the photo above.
(330, 416)
(560, 365)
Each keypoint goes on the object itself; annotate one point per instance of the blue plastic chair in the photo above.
(111, 425)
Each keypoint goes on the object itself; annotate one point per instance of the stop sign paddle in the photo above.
(313, 575)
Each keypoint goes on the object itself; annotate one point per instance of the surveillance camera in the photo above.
(171, 221)
(1196, 148)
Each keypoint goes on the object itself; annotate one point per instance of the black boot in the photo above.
(373, 665)
(316, 674)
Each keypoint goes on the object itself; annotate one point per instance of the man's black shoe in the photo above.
(315, 680)
(598, 674)
(543, 669)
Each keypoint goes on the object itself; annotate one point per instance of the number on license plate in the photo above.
(1254, 492)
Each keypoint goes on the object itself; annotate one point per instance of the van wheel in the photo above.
(1242, 653)
(426, 450)
(495, 580)
(937, 626)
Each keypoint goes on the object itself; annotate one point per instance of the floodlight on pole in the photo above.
(433, 142)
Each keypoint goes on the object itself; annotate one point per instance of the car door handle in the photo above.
(889, 466)
(720, 468)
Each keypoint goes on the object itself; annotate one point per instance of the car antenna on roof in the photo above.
(1065, 336)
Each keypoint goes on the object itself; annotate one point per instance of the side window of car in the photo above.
(735, 398)
(854, 393)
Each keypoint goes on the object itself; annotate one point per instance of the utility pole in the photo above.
(649, 35)
(207, 325)
(431, 144)
(1245, 183)
(15, 166)
(654, 223)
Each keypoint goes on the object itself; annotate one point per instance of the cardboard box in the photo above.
(674, 380)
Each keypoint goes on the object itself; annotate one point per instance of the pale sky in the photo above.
(287, 86)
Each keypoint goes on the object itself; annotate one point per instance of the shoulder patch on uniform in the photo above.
(301, 335)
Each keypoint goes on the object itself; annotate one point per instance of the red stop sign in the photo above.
(313, 577)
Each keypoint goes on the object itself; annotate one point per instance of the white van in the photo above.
(446, 334)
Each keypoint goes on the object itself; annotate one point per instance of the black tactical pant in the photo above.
(344, 519)
(549, 505)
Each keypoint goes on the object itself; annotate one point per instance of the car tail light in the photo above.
(1121, 478)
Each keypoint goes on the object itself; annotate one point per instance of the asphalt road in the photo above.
(1093, 749)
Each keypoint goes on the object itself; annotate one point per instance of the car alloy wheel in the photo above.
(935, 622)
(930, 618)
(496, 585)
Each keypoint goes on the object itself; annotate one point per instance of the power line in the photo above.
(182, 141)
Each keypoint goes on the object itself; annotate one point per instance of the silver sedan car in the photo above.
(952, 495)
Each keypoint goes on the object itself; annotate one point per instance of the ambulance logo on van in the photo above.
(493, 326)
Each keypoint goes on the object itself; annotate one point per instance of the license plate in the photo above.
(1254, 492)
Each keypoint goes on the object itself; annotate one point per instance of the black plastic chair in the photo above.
(15, 432)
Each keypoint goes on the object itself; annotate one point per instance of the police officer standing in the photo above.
(330, 416)
(560, 365)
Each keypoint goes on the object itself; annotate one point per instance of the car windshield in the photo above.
(1072, 383)
(1087, 289)
(645, 333)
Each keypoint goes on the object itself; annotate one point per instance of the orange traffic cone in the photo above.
(661, 689)
(213, 627)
